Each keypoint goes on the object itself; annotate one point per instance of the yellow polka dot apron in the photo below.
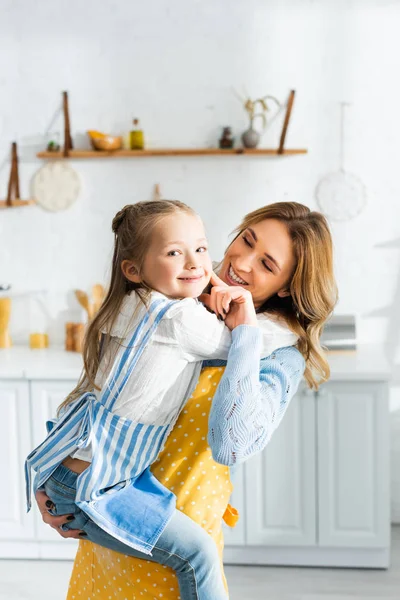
(202, 488)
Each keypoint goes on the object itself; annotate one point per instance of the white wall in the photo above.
(173, 64)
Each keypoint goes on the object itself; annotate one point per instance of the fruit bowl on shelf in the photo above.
(101, 141)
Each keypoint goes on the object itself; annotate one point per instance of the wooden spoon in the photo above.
(98, 295)
(83, 300)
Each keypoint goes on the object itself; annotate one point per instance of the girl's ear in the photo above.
(130, 271)
(283, 293)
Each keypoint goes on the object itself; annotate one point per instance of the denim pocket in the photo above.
(62, 496)
(64, 491)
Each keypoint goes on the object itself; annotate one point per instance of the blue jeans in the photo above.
(184, 546)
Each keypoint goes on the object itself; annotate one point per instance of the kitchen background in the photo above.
(175, 64)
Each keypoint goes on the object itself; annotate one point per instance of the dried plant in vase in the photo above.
(251, 137)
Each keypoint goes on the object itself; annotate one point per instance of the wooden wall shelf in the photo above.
(16, 203)
(72, 154)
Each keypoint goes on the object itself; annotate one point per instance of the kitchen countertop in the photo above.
(19, 362)
(368, 362)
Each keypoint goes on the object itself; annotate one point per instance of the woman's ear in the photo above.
(130, 271)
(283, 293)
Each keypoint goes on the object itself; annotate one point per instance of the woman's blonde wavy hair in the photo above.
(132, 227)
(313, 290)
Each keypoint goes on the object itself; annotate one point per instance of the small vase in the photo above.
(226, 141)
(251, 138)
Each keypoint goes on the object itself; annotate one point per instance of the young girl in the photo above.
(95, 461)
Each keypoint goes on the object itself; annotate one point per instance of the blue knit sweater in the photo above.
(252, 396)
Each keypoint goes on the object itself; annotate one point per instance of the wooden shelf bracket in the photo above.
(13, 194)
(286, 121)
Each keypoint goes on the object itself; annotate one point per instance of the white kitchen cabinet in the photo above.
(280, 482)
(25, 408)
(15, 444)
(319, 495)
(46, 396)
(353, 466)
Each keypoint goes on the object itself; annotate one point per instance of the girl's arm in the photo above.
(200, 334)
(252, 397)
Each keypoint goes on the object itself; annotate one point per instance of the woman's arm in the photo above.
(252, 397)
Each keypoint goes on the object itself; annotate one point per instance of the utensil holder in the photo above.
(74, 334)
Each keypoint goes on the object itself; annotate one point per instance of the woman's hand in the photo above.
(45, 504)
(234, 304)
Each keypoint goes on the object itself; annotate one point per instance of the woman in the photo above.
(282, 255)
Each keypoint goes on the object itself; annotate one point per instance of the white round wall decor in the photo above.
(341, 195)
(56, 186)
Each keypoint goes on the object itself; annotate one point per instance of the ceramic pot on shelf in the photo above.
(251, 137)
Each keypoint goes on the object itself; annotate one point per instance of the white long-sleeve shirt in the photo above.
(168, 369)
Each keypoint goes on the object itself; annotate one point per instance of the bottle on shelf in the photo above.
(136, 137)
(5, 313)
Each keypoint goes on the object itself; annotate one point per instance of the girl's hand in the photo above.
(233, 304)
(45, 504)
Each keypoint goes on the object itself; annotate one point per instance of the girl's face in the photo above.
(261, 259)
(177, 263)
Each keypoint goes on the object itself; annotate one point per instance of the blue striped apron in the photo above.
(117, 491)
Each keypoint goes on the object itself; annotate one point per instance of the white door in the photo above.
(46, 397)
(353, 464)
(280, 481)
(15, 445)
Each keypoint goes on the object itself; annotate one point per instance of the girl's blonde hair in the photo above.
(313, 291)
(132, 227)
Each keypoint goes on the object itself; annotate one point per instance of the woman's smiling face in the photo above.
(261, 259)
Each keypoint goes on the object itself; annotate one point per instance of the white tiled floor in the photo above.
(25, 580)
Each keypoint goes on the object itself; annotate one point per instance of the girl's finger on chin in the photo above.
(215, 280)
